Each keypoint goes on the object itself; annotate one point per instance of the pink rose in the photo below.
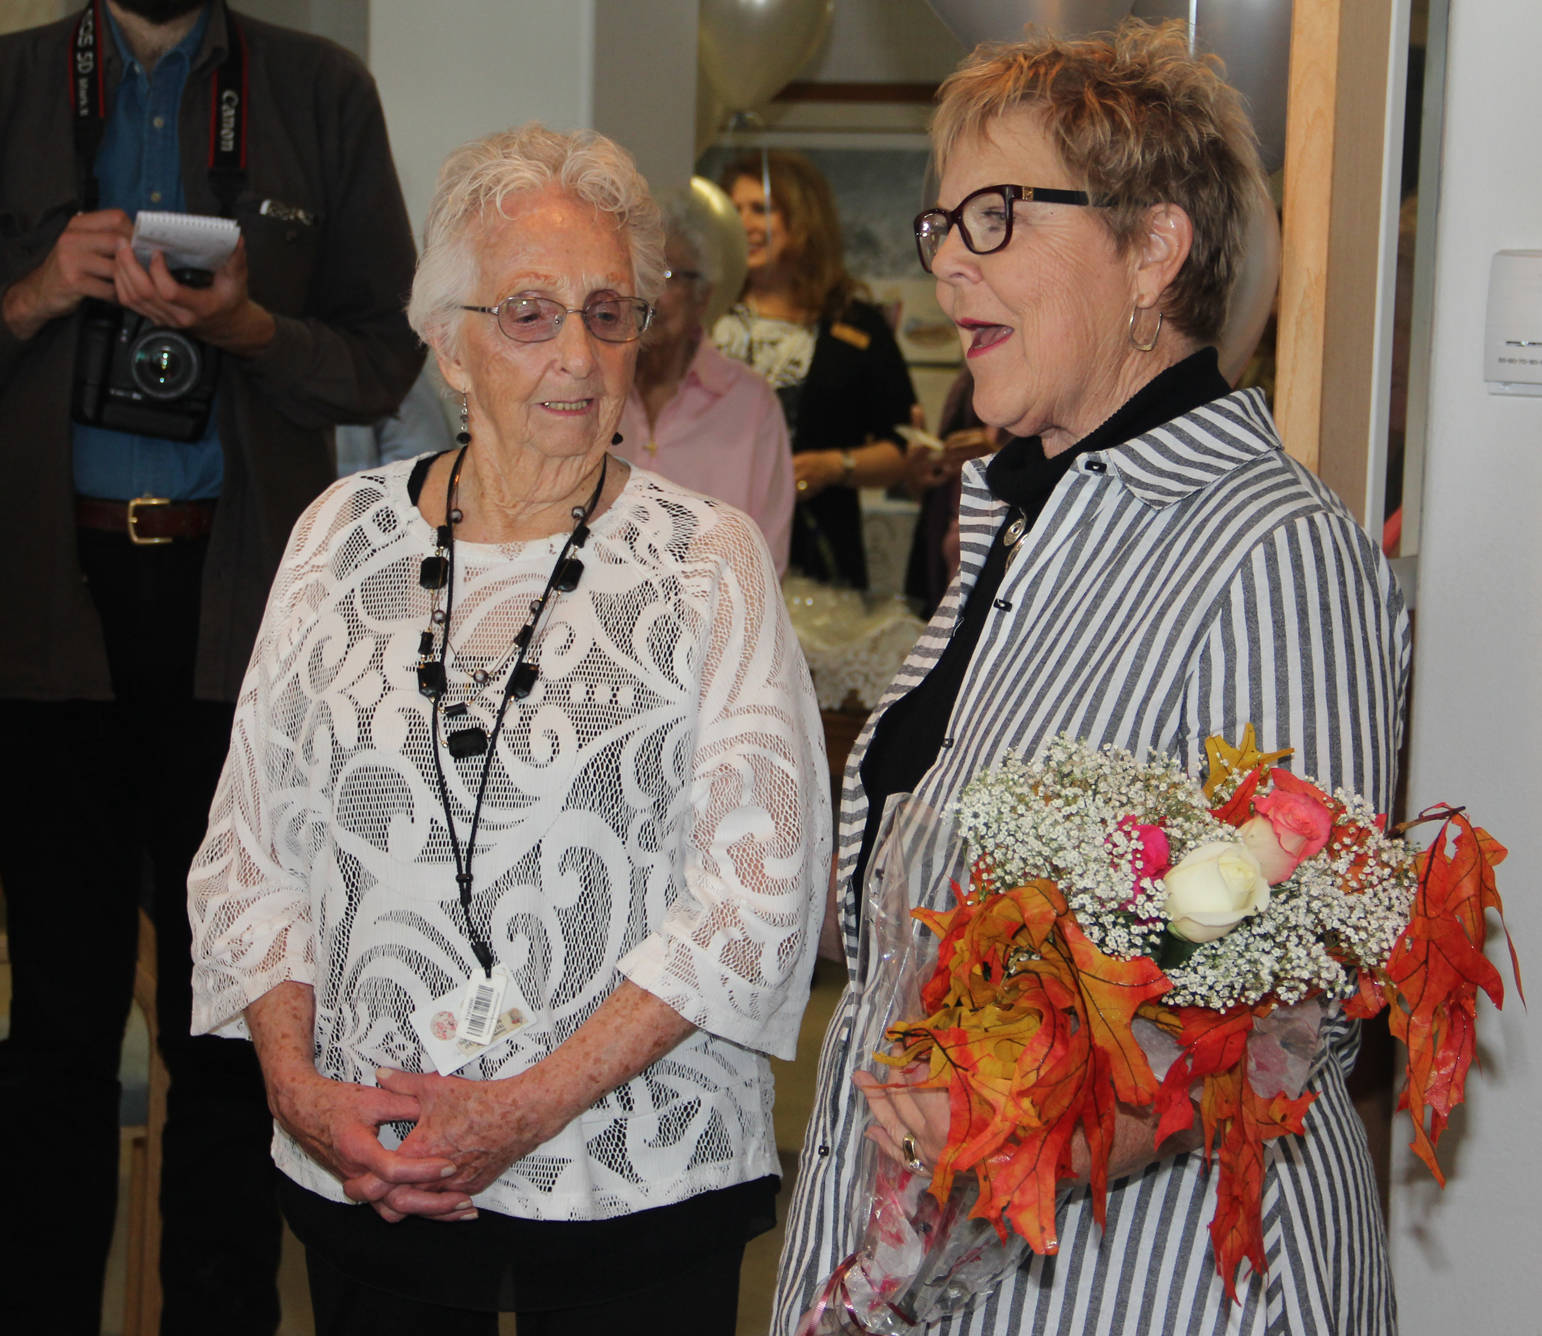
(1293, 824)
(1151, 856)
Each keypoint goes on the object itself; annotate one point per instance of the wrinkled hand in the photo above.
(969, 443)
(1134, 1146)
(924, 1116)
(338, 1125)
(222, 314)
(926, 468)
(80, 265)
(481, 1127)
(900, 1112)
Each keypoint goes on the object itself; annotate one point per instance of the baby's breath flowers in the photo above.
(1081, 816)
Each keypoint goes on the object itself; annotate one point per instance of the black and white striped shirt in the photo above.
(1183, 584)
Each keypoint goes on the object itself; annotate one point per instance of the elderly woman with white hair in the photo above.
(695, 415)
(510, 875)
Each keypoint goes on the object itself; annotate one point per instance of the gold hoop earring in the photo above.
(1155, 334)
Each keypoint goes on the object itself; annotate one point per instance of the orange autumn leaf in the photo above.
(1223, 760)
(1239, 807)
(1237, 1123)
(1430, 981)
(1235, 1118)
(1029, 1031)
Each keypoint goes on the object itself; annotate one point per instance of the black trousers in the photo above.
(669, 1271)
(102, 805)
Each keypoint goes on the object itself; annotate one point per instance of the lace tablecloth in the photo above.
(854, 642)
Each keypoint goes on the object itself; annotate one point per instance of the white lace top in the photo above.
(656, 810)
(781, 350)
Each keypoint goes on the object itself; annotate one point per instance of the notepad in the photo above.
(187, 240)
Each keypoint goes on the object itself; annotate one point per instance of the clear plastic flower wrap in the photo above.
(919, 1258)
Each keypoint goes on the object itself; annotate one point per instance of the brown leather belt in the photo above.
(147, 521)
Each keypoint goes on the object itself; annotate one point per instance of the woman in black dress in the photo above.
(829, 355)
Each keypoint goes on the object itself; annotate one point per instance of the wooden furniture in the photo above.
(142, 1252)
(1343, 141)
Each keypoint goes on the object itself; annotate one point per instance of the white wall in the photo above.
(1465, 1259)
(450, 72)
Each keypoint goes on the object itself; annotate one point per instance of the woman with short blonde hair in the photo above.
(1143, 567)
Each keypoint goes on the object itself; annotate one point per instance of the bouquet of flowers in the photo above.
(1131, 938)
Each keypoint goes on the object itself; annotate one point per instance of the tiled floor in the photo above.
(794, 1096)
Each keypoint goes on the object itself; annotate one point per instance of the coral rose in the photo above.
(1299, 820)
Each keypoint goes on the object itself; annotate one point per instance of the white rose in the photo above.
(1213, 889)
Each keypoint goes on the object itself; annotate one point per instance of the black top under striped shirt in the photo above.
(912, 731)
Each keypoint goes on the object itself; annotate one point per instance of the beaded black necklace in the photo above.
(437, 573)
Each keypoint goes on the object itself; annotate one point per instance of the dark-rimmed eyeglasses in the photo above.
(984, 218)
(537, 319)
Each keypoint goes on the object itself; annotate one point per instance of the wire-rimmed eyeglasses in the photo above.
(984, 218)
(537, 319)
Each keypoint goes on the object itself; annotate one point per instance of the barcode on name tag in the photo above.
(479, 1014)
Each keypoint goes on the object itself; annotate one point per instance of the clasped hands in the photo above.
(93, 258)
(465, 1134)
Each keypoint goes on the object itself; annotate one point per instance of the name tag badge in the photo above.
(480, 1007)
(467, 1021)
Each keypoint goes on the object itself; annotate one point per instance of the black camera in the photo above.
(132, 375)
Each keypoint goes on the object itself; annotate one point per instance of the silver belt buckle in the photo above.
(134, 507)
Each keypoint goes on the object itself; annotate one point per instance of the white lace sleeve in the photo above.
(735, 951)
(248, 894)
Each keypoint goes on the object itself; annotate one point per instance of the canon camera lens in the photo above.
(164, 364)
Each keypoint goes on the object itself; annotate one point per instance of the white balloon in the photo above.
(750, 49)
(975, 21)
(1252, 295)
(1253, 38)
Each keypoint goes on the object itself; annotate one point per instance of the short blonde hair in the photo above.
(1139, 120)
(480, 176)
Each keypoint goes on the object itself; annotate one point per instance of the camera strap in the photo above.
(228, 91)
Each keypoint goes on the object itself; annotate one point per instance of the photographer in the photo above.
(145, 527)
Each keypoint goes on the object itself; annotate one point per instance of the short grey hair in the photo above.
(478, 177)
(685, 224)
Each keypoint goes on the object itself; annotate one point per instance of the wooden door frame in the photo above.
(1343, 143)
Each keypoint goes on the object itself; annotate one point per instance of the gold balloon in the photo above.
(719, 219)
(976, 21)
(750, 49)
(1252, 37)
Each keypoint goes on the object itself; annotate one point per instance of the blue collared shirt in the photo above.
(139, 167)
